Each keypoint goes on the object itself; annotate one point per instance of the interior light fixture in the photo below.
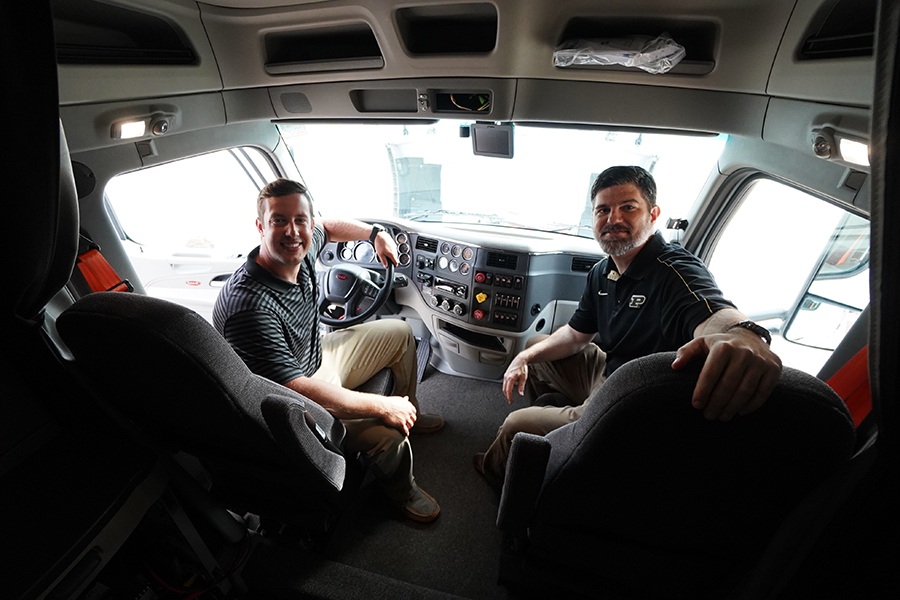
(854, 152)
(126, 130)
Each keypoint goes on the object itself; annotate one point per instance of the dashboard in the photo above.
(480, 290)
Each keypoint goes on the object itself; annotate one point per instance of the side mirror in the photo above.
(820, 323)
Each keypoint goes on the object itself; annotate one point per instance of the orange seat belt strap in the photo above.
(851, 383)
(99, 275)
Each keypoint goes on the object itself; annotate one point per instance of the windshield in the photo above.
(429, 173)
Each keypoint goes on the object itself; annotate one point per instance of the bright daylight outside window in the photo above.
(188, 224)
(206, 202)
(429, 173)
(799, 266)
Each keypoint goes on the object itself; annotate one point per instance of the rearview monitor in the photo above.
(492, 140)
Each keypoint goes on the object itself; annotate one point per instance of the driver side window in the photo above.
(187, 225)
(797, 265)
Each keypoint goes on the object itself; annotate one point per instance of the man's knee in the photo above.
(527, 420)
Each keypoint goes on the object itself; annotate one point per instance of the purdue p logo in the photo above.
(637, 301)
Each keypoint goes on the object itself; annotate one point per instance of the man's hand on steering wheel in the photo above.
(386, 249)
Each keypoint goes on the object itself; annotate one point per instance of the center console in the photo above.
(470, 284)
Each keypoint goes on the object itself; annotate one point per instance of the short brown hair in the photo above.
(614, 176)
(281, 187)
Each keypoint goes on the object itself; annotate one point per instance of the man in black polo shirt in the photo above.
(267, 311)
(647, 296)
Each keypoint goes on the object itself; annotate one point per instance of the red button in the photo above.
(479, 277)
(478, 314)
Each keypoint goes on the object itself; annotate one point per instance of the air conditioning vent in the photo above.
(501, 260)
(426, 244)
(583, 264)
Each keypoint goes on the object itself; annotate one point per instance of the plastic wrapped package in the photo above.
(654, 55)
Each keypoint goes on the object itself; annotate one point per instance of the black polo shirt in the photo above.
(273, 324)
(655, 306)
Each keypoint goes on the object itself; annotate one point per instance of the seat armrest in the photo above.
(525, 467)
(381, 383)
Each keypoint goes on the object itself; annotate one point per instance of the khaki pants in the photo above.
(578, 377)
(350, 357)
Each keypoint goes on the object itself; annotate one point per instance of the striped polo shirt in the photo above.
(653, 307)
(273, 324)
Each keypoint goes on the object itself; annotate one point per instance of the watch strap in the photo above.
(759, 330)
(376, 229)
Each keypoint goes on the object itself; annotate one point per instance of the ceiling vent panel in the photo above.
(385, 101)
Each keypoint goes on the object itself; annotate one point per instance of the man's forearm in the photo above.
(719, 322)
(564, 342)
(345, 230)
(340, 402)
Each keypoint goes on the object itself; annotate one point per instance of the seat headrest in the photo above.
(45, 242)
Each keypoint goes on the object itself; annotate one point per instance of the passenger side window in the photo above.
(797, 265)
(187, 225)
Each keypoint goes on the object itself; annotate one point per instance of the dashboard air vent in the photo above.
(583, 264)
(501, 260)
(426, 244)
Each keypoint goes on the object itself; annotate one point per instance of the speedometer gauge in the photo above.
(364, 252)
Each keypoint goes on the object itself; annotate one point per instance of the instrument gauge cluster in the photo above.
(404, 251)
(363, 251)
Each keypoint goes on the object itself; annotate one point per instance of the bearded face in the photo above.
(623, 221)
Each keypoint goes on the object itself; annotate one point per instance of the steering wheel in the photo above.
(361, 292)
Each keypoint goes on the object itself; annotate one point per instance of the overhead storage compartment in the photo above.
(340, 48)
(823, 55)
(94, 33)
(840, 29)
(450, 29)
(697, 37)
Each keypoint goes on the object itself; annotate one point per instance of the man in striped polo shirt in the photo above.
(647, 296)
(267, 311)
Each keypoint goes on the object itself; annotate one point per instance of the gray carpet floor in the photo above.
(458, 553)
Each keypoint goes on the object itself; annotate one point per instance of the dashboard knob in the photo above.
(433, 301)
(445, 305)
(479, 277)
(478, 314)
(459, 309)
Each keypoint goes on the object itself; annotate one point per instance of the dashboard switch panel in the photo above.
(460, 281)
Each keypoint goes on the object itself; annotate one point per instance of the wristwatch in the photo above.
(757, 329)
(376, 229)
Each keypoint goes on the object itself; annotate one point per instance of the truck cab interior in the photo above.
(141, 459)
